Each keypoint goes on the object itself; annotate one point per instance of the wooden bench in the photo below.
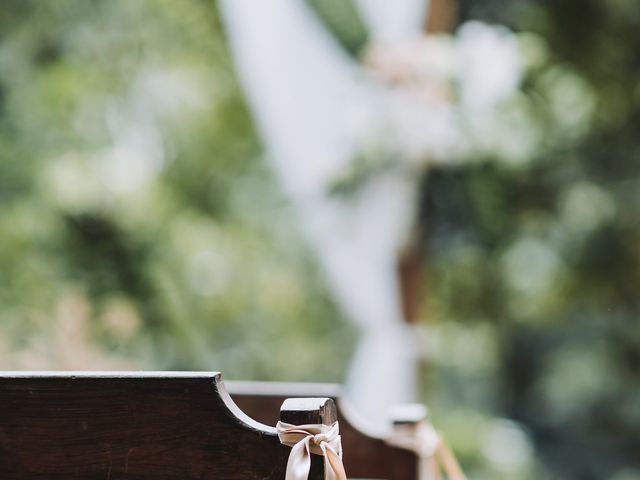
(140, 426)
(367, 453)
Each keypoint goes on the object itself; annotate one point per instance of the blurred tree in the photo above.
(135, 205)
(140, 228)
(544, 256)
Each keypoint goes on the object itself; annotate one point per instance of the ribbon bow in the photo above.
(307, 439)
(433, 451)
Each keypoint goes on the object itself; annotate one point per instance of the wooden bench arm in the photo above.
(137, 426)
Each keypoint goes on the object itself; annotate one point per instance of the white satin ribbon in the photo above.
(307, 439)
(433, 451)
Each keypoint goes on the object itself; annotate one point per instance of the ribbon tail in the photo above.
(435, 469)
(299, 462)
(333, 467)
(449, 463)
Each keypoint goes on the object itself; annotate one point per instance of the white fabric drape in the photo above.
(311, 103)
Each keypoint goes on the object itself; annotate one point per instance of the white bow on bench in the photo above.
(307, 439)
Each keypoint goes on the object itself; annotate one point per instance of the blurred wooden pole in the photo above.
(412, 262)
(411, 268)
(441, 16)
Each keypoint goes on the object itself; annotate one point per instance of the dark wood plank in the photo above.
(310, 410)
(131, 426)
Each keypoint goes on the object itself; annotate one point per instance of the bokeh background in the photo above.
(141, 228)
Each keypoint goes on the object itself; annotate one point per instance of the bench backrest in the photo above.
(138, 426)
(366, 451)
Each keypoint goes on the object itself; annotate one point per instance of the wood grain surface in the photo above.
(132, 426)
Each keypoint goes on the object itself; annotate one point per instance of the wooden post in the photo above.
(412, 262)
(442, 16)
(302, 411)
(407, 419)
(410, 415)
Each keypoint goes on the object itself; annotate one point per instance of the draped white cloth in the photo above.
(312, 103)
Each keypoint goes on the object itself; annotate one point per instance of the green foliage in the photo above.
(343, 21)
(140, 228)
(540, 261)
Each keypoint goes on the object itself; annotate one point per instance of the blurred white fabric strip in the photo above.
(311, 103)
